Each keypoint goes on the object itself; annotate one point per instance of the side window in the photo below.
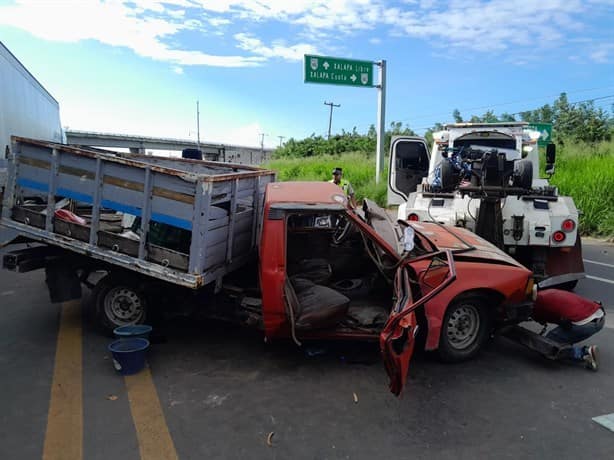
(412, 155)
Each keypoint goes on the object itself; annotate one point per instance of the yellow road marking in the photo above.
(154, 439)
(64, 435)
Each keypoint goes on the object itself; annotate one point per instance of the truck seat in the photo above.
(315, 306)
(316, 270)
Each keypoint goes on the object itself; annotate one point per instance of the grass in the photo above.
(586, 173)
(358, 168)
(583, 172)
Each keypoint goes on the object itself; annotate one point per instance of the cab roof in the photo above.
(504, 124)
(308, 193)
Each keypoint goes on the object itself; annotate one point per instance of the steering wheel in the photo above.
(342, 230)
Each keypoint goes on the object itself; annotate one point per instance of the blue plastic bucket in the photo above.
(132, 331)
(129, 354)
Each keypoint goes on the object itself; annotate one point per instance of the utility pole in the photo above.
(281, 138)
(262, 141)
(197, 125)
(330, 118)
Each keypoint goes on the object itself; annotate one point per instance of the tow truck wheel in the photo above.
(119, 302)
(466, 326)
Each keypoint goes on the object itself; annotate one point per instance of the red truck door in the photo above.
(397, 339)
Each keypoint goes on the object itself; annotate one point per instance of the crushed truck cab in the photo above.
(485, 177)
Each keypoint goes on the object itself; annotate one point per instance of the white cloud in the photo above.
(115, 24)
(278, 49)
(148, 26)
(602, 53)
(178, 70)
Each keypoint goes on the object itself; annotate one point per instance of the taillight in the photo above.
(568, 225)
(558, 236)
(413, 217)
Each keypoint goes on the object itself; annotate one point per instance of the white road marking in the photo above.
(605, 280)
(598, 263)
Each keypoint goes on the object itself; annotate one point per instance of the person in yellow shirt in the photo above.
(344, 184)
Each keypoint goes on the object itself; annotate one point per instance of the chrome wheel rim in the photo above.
(463, 326)
(123, 306)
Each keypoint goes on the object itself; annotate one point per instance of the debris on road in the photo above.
(112, 397)
(355, 398)
(269, 439)
(606, 421)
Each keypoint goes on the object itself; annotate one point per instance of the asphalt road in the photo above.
(218, 392)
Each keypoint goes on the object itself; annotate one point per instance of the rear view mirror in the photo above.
(550, 158)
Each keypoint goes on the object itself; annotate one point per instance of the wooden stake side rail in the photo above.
(211, 207)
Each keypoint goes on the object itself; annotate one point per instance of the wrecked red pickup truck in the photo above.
(291, 258)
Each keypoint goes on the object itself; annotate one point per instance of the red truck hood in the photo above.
(456, 238)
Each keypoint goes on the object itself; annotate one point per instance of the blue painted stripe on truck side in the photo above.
(27, 183)
(155, 216)
(64, 192)
(170, 220)
(110, 204)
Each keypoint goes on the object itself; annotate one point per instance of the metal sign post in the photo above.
(381, 120)
(350, 72)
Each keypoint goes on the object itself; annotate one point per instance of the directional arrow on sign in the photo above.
(326, 65)
(353, 78)
(545, 135)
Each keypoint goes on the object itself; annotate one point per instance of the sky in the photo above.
(138, 67)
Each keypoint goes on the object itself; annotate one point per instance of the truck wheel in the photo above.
(119, 302)
(464, 330)
(523, 174)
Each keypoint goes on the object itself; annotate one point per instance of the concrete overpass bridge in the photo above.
(140, 144)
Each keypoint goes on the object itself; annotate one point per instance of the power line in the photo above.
(571, 103)
(600, 98)
(509, 103)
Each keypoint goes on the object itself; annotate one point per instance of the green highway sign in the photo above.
(337, 71)
(545, 131)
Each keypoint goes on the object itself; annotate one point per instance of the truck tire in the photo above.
(465, 328)
(119, 301)
(523, 174)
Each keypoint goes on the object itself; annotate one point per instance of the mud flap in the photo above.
(561, 260)
(62, 282)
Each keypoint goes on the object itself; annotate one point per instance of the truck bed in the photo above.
(197, 220)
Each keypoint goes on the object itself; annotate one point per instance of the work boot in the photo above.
(590, 358)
